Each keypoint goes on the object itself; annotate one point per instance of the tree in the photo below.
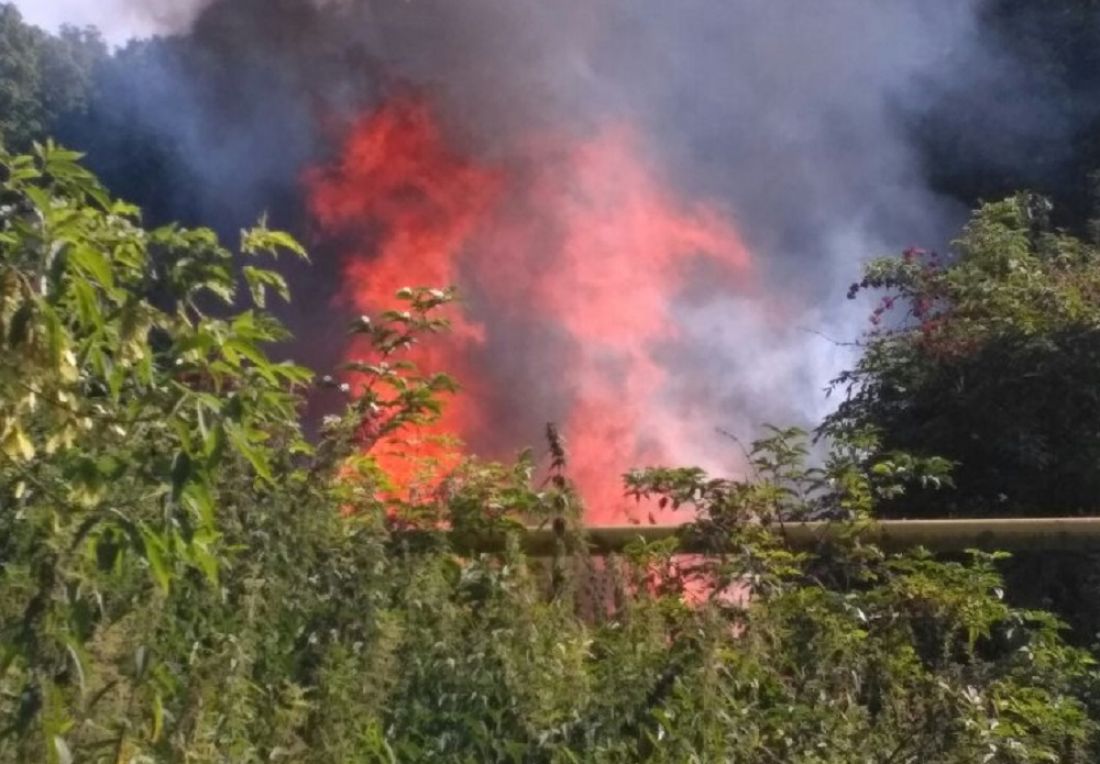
(19, 86)
(977, 146)
(988, 358)
(42, 77)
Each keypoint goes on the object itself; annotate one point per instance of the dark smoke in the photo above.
(1025, 113)
(811, 122)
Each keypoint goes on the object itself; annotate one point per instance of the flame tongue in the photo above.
(576, 238)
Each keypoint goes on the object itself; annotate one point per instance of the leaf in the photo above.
(181, 473)
(262, 239)
(92, 262)
(86, 303)
(293, 373)
(99, 196)
(206, 562)
(16, 445)
(78, 664)
(213, 444)
(252, 453)
(55, 154)
(249, 351)
(62, 754)
(155, 550)
(17, 173)
(158, 717)
(260, 278)
(40, 199)
(197, 498)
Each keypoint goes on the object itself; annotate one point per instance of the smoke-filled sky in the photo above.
(790, 123)
(118, 20)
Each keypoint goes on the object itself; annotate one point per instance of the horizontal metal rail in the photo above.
(1015, 534)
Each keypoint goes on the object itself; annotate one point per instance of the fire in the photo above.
(577, 238)
(411, 204)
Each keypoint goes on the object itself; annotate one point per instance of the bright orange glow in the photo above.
(579, 236)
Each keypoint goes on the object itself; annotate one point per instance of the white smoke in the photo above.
(118, 20)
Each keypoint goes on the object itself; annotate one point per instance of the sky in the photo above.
(119, 20)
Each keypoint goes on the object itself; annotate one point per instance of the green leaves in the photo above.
(261, 239)
(131, 423)
(898, 644)
(260, 279)
(93, 263)
(156, 551)
(246, 443)
(14, 442)
(983, 359)
(182, 576)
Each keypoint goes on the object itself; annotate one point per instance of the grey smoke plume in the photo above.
(792, 115)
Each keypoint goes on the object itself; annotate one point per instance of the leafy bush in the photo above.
(184, 578)
(987, 358)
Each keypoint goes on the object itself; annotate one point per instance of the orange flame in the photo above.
(579, 235)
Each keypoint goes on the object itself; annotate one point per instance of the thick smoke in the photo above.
(792, 116)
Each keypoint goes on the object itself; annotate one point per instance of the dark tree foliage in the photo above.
(138, 158)
(43, 78)
(1025, 110)
(989, 358)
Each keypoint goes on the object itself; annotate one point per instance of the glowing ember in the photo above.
(576, 238)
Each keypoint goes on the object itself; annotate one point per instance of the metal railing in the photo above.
(1010, 534)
